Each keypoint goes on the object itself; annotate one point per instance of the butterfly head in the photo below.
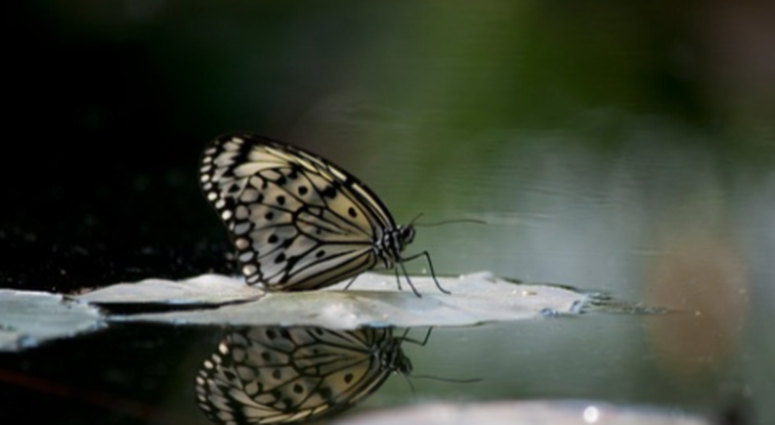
(394, 358)
(403, 365)
(393, 243)
(405, 236)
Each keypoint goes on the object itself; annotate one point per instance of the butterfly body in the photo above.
(298, 221)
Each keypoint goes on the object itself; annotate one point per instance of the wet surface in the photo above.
(148, 374)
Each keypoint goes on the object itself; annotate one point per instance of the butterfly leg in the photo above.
(430, 266)
(409, 281)
(427, 337)
(414, 341)
(398, 279)
(351, 282)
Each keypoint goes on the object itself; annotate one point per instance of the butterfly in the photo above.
(297, 221)
(283, 375)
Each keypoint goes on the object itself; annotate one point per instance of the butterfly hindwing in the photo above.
(297, 221)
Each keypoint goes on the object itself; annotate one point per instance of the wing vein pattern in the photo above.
(297, 221)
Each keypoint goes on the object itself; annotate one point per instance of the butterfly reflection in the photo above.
(289, 375)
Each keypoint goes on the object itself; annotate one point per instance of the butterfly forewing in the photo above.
(298, 222)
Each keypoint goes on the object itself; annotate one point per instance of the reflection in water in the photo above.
(271, 374)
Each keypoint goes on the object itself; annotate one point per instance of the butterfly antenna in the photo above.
(449, 380)
(411, 386)
(415, 218)
(444, 222)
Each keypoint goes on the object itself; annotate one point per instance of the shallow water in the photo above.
(146, 373)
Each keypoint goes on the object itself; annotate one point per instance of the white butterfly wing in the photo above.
(298, 222)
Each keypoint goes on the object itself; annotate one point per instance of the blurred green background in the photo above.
(618, 146)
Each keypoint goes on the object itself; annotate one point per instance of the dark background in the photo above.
(108, 105)
(99, 161)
